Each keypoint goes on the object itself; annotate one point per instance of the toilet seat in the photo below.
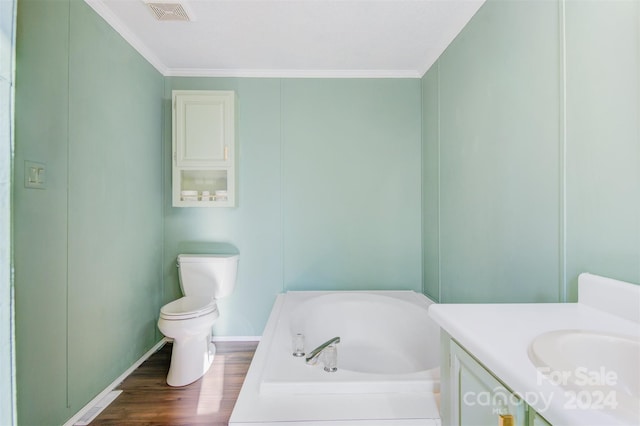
(188, 307)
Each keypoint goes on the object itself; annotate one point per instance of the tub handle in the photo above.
(313, 356)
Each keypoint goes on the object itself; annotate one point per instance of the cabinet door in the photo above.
(203, 128)
(478, 398)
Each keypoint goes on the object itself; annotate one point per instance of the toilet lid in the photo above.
(188, 307)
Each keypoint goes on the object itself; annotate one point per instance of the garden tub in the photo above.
(387, 362)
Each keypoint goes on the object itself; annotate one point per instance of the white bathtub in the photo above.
(387, 344)
(388, 359)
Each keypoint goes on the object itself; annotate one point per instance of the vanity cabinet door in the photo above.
(478, 398)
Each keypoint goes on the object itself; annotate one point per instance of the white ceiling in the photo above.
(292, 38)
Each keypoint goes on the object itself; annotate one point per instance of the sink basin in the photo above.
(598, 370)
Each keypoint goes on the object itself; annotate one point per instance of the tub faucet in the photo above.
(312, 359)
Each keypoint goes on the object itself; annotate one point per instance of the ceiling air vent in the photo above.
(168, 11)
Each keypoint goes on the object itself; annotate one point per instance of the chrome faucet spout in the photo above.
(313, 356)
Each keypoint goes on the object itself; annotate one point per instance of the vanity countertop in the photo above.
(498, 335)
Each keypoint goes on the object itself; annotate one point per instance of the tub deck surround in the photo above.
(499, 335)
(388, 361)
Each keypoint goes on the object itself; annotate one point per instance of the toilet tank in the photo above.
(207, 275)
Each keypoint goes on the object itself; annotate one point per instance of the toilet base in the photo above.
(191, 358)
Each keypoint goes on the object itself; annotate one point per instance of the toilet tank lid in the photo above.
(201, 258)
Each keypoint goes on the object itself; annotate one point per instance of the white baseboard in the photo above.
(115, 383)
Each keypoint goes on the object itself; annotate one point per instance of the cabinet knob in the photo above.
(506, 420)
(226, 153)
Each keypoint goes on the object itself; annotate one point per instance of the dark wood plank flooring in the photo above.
(146, 398)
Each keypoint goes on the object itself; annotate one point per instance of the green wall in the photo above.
(532, 153)
(603, 140)
(88, 248)
(40, 216)
(329, 192)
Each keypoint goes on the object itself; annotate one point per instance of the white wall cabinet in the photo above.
(471, 394)
(203, 148)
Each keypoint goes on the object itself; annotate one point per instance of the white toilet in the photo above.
(204, 278)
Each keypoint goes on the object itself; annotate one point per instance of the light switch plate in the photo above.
(34, 175)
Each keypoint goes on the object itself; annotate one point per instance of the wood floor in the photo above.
(146, 398)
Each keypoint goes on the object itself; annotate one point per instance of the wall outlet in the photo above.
(34, 175)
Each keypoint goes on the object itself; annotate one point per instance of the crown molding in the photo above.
(294, 73)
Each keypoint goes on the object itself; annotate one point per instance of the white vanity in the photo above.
(543, 363)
